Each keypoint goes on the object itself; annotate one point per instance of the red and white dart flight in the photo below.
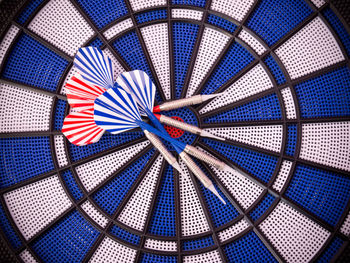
(81, 94)
(81, 129)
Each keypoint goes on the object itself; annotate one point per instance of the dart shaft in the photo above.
(204, 157)
(156, 122)
(177, 144)
(196, 170)
(181, 125)
(157, 143)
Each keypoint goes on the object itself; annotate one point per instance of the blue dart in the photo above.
(117, 112)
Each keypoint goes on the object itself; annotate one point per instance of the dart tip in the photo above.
(204, 133)
(210, 96)
(215, 192)
(176, 165)
(156, 108)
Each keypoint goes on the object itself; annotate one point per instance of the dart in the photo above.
(116, 111)
(81, 129)
(140, 86)
(175, 104)
(186, 127)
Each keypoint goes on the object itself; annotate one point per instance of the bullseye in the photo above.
(174, 132)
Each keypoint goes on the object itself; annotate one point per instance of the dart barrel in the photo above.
(157, 143)
(204, 157)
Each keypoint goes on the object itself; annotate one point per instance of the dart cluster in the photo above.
(99, 104)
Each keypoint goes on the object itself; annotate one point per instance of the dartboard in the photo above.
(283, 68)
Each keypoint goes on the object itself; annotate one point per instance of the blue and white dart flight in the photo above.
(95, 67)
(116, 111)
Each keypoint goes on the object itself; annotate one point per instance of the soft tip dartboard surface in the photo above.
(285, 68)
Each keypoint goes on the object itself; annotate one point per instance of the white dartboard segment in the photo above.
(212, 256)
(301, 238)
(233, 231)
(7, 41)
(61, 24)
(60, 150)
(36, 205)
(237, 9)
(109, 250)
(156, 40)
(289, 103)
(193, 220)
(212, 43)
(160, 245)
(186, 14)
(137, 208)
(253, 82)
(23, 110)
(282, 175)
(94, 214)
(252, 42)
(94, 172)
(268, 137)
(118, 28)
(310, 49)
(27, 257)
(326, 143)
(345, 228)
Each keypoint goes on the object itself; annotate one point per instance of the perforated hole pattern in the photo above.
(288, 141)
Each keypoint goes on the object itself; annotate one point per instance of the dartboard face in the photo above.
(284, 69)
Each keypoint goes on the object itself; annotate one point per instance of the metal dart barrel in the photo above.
(200, 175)
(175, 104)
(187, 148)
(186, 127)
(157, 143)
(205, 157)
